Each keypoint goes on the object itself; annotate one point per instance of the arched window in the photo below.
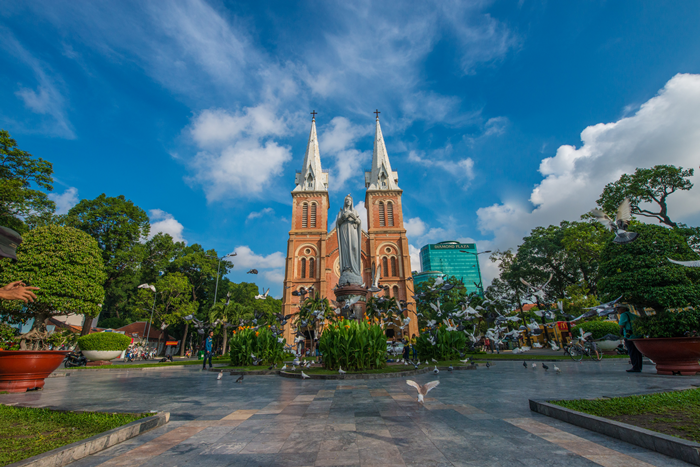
(393, 267)
(312, 218)
(396, 292)
(303, 268)
(304, 215)
(382, 215)
(312, 268)
(390, 213)
(385, 267)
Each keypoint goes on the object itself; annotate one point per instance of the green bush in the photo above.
(104, 341)
(445, 344)
(8, 336)
(353, 346)
(261, 342)
(668, 323)
(598, 329)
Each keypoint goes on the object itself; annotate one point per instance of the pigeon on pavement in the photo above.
(304, 375)
(220, 375)
(240, 379)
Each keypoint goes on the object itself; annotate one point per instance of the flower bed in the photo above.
(262, 343)
(353, 346)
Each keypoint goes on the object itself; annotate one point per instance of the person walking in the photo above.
(208, 345)
(414, 350)
(625, 323)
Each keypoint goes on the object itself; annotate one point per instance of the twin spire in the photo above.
(313, 178)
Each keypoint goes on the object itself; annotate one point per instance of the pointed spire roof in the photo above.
(381, 177)
(312, 177)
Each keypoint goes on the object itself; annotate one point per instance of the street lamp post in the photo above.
(476, 255)
(218, 269)
(153, 308)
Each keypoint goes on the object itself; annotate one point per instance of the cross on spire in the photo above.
(377, 112)
(314, 113)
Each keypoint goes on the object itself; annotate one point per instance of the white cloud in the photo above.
(65, 200)
(246, 258)
(665, 130)
(461, 168)
(261, 213)
(415, 227)
(164, 222)
(336, 143)
(275, 275)
(47, 98)
(237, 157)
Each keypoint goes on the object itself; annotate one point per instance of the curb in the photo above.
(397, 374)
(75, 371)
(254, 372)
(72, 452)
(671, 446)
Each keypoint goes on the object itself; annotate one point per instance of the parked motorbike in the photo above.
(74, 359)
(621, 350)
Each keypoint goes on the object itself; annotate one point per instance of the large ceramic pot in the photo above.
(95, 355)
(672, 355)
(23, 370)
(607, 346)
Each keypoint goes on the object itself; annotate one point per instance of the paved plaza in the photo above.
(473, 418)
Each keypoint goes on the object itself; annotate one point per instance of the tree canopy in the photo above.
(22, 179)
(66, 264)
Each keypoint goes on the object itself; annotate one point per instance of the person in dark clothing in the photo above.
(625, 323)
(208, 350)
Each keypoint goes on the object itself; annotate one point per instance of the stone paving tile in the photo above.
(267, 420)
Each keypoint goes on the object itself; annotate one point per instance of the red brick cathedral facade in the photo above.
(312, 251)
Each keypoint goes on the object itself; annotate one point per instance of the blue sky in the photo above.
(498, 116)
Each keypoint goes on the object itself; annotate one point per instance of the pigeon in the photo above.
(271, 366)
(340, 370)
(240, 379)
(284, 367)
(537, 291)
(556, 368)
(688, 264)
(534, 365)
(465, 361)
(375, 279)
(525, 365)
(252, 271)
(434, 361)
(622, 218)
(449, 368)
(436, 371)
(294, 368)
(488, 364)
(545, 367)
(220, 375)
(262, 296)
(422, 390)
(304, 375)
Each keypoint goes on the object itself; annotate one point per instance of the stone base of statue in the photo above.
(351, 292)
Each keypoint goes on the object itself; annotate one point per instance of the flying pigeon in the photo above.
(252, 271)
(262, 296)
(619, 225)
(422, 390)
(688, 264)
(537, 291)
(220, 375)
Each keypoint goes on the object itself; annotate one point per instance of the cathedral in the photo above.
(312, 251)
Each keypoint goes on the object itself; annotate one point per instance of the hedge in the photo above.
(104, 341)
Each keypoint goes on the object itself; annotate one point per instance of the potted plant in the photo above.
(66, 265)
(103, 345)
(641, 273)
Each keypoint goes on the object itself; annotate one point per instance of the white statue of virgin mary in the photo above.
(349, 227)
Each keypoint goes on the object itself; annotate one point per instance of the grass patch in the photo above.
(525, 356)
(675, 413)
(26, 432)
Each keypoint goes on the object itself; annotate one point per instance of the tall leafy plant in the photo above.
(263, 343)
(353, 346)
(447, 344)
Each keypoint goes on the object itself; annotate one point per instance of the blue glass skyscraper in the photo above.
(454, 259)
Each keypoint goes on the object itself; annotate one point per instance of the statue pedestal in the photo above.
(347, 292)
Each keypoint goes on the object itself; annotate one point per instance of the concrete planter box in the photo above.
(95, 355)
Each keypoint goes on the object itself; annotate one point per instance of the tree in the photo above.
(312, 317)
(172, 302)
(584, 241)
(22, 177)
(647, 186)
(119, 226)
(66, 265)
(228, 314)
(429, 294)
(640, 272)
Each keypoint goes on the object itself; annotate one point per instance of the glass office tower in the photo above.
(454, 259)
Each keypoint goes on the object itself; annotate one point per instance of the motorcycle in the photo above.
(621, 350)
(75, 359)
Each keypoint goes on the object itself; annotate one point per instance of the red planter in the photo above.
(23, 370)
(672, 355)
